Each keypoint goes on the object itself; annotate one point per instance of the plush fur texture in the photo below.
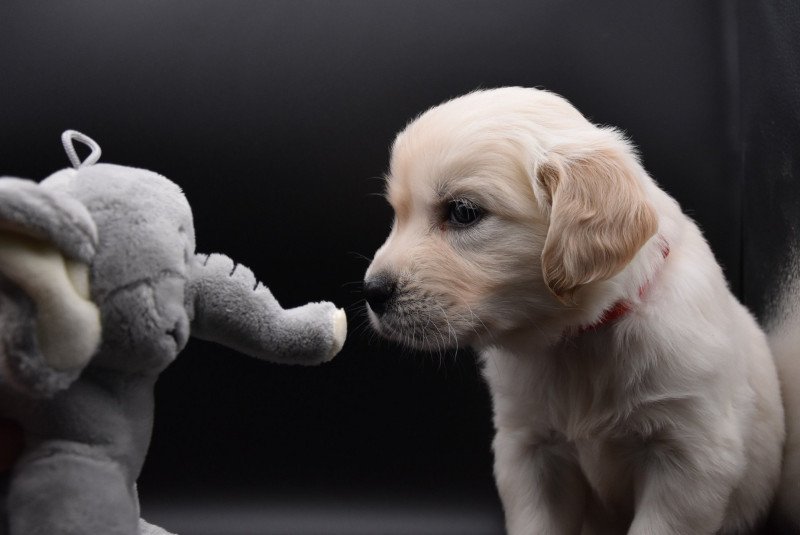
(87, 420)
(667, 420)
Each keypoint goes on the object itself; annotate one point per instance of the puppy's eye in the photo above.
(462, 213)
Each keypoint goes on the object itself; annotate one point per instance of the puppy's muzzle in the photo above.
(379, 290)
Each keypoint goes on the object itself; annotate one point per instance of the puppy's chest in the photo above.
(581, 392)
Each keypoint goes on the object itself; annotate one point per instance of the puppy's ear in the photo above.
(599, 217)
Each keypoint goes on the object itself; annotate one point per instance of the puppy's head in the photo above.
(508, 205)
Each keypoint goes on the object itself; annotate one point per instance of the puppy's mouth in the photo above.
(423, 324)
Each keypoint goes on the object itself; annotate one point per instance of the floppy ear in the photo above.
(599, 217)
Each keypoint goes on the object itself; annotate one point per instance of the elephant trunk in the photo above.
(235, 310)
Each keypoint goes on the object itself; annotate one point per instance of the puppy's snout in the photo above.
(379, 290)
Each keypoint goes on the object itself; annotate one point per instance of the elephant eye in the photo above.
(463, 213)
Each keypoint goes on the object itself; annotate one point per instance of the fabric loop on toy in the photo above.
(67, 139)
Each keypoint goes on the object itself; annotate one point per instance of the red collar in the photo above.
(619, 309)
(623, 306)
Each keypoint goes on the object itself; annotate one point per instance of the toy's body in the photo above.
(87, 413)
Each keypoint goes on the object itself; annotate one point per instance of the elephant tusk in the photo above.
(339, 332)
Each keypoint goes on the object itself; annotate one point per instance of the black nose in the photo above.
(379, 289)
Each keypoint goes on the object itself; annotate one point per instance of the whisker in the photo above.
(479, 320)
(382, 177)
(360, 256)
(359, 307)
(450, 330)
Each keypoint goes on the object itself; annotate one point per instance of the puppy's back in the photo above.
(784, 337)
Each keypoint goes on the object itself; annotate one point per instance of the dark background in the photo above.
(275, 117)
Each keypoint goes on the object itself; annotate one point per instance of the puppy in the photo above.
(632, 392)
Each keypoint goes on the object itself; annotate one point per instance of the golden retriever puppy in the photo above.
(632, 392)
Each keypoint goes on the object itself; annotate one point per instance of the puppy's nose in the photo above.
(378, 290)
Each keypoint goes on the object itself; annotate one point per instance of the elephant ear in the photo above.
(32, 210)
(49, 327)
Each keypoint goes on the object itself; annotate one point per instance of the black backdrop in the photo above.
(275, 117)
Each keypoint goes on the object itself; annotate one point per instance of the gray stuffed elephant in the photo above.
(100, 289)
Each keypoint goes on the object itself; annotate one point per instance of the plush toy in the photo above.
(100, 289)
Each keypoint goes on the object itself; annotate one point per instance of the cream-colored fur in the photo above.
(666, 421)
(784, 334)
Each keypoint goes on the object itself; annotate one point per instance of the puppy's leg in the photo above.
(683, 486)
(540, 485)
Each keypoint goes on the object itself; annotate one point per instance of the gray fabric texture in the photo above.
(27, 208)
(24, 368)
(232, 308)
(88, 430)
